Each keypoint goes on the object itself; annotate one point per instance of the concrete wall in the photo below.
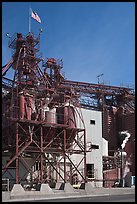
(104, 147)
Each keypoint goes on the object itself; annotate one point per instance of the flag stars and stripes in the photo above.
(35, 16)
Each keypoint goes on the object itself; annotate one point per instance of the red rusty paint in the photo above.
(22, 106)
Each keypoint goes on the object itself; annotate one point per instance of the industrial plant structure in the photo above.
(55, 129)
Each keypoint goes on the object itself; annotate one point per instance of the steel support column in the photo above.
(85, 166)
(41, 155)
(17, 159)
(64, 155)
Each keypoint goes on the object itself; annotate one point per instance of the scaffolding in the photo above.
(39, 116)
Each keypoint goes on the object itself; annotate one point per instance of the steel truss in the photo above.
(39, 117)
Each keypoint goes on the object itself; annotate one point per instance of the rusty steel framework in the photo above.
(40, 110)
(39, 116)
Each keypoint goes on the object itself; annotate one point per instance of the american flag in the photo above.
(35, 16)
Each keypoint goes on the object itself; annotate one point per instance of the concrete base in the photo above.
(5, 195)
(45, 189)
(68, 188)
(17, 190)
(89, 188)
(19, 193)
(37, 195)
(58, 185)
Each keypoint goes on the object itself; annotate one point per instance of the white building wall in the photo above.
(93, 136)
(104, 147)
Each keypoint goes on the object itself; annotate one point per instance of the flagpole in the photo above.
(29, 20)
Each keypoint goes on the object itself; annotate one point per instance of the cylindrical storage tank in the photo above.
(70, 119)
(42, 114)
(29, 107)
(22, 106)
(69, 114)
(60, 115)
(66, 115)
(51, 116)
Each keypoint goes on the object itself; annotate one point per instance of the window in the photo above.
(92, 122)
(93, 146)
(90, 170)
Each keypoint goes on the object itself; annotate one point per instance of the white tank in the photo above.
(51, 116)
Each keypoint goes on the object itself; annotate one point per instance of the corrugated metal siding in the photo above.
(110, 176)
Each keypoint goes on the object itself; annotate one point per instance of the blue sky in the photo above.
(91, 37)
